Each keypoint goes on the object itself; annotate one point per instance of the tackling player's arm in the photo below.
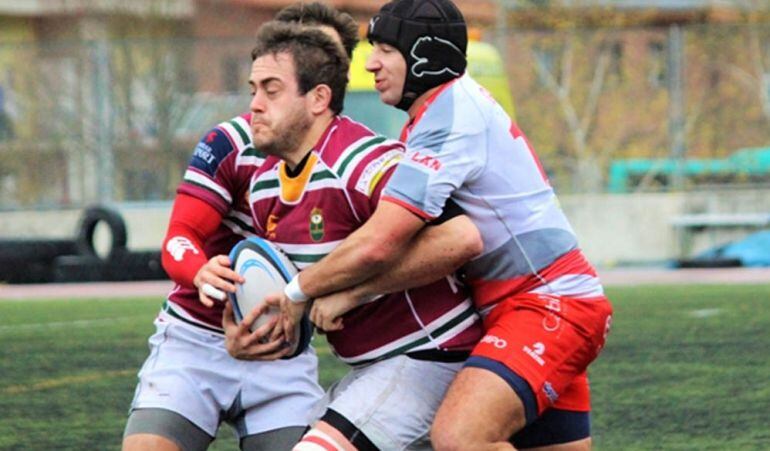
(417, 193)
(435, 253)
(368, 251)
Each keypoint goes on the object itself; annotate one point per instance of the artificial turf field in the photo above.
(685, 368)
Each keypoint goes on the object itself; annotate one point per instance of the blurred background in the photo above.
(651, 117)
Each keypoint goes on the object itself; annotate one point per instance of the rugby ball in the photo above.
(266, 269)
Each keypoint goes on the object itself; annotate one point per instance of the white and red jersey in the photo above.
(310, 213)
(219, 174)
(462, 145)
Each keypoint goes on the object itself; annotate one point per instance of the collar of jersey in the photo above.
(293, 187)
(423, 108)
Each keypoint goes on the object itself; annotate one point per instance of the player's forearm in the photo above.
(435, 253)
(366, 252)
(357, 259)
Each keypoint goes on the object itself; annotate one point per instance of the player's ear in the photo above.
(319, 98)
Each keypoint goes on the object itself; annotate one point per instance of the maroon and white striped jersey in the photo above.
(309, 214)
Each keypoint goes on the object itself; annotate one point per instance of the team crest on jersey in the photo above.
(316, 224)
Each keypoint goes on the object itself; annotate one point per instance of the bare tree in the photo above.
(580, 119)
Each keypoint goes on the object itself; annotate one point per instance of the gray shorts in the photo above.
(190, 372)
(393, 402)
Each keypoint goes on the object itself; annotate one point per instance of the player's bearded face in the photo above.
(280, 118)
(283, 134)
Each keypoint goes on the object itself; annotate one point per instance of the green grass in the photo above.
(684, 368)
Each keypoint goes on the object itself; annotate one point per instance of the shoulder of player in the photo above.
(355, 144)
(233, 138)
(461, 110)
(268, 168)
(234, 133)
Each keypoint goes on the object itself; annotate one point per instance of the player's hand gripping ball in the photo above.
(266, 269)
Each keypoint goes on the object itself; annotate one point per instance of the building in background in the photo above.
(102, 100)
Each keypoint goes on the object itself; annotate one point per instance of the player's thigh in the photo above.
(183, 360)
(276, 395)
(392, 403)
(480, 407)
(163, 430)
(545, 340)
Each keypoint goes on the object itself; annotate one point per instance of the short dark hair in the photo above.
(317, 13)
(318, 60)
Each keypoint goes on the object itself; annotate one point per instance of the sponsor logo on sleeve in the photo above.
(375, 170)
(178, 245)
(428, 161)
(204, 152)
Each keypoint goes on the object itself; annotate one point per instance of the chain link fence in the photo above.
(607, 109)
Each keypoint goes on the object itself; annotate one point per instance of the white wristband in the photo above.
(294, 292)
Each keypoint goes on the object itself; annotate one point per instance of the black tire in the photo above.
(91, 218)
(21, 251)
(79, 268)
(31, 261)
(124, 266)
(143, 265)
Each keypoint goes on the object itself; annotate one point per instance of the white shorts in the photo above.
(393, 402)
(190, 372)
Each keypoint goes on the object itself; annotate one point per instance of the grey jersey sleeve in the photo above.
(437, 163)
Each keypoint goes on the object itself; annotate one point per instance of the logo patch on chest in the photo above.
(316, 224)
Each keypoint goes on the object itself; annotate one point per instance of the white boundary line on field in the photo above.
(111, 290)
(609, 278)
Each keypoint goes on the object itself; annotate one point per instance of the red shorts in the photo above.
(548, 341)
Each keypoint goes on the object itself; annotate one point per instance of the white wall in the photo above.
(612, 229)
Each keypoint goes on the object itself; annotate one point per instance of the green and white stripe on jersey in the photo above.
(239, 223)
(203, 181)
(239, 131)
(304, 255)
(441, 330)
(352, 156)
(250, 157)
(175, 310)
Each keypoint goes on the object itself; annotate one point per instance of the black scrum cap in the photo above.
(432, 37)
